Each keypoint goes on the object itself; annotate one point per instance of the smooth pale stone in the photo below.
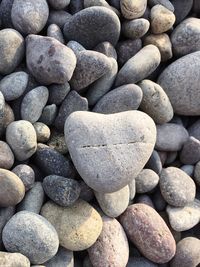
(139, 66)
(155, 102)
(133, 9)
(110, 203)
(171, 137)
(146, 181)
(180, 80)
(78, 226)
(13, 259)
(184, 218)
(42, 131)
(112, 150)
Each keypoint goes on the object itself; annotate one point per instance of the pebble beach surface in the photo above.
(99, 133)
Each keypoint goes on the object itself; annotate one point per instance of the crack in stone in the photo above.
(105, 145)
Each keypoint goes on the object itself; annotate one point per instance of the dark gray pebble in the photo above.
(26, 174)
(58, 92)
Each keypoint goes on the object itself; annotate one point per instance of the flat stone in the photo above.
(80, 223)
(190, 153)
(20, 234)
(6, 156)
(21, 137)
(122, 135)
(132, 72)
(61, 190)
(111, 248)
(177, 188)
(26, 174)
(41, 55)
(63, 258)
(124, 98)
(142, 222)
(105, 26)
(146, 181)
(133, 9)
(42, 132)
(14, 259)
(136, 28)
(58, 92)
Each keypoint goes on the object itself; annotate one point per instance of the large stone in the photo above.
(13, 259)
(112, 150)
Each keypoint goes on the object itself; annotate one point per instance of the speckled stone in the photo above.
(187, 253)
(194, 130)
(132, 72)
(133, 9)
(107, 49)
(162, 19)
(177, 188)
(26, 174)
(49, 114)
(5, 11)
(33, 199)
(184, 218)
(171, 137)
(158, 200)
(105, 26)
(190, 153)
(41, 55)
(5, 215)
(165, 3)
(180, 81)
(20, 234)
(58, 17)
(33, 103)
(58, 92)
(11, 50)
(135, 29)
(80, 223)
(54, 31)
(42, 132)
(29, 16)
(73, 102)
(154, 163)
(75, 47)
(155, 102)
(6, 156)
(58, 4)
(63, 258)
(110, 203)
(84, 74)
(182, 9)
(61, 190)
(53, 162)
(13, 259)
(13, 86)
(111, 247)
(124, 98)
(57, 142)
(122, 135)
(146, 181)
(142, 222)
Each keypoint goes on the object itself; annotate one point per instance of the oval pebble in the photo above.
(133, 9)
(59, 4)
(58, 17)
(140, 262)
(107, 49)
(165, 3)
(136, 28)
(42, 132)
(146, 181)
(58, 92)
(190, 153)
(26, 174)
(63, 258)
(6, 156)
(54, 31)
(13, 259)
(154, 163)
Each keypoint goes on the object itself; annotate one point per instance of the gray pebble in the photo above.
(190, 153)
(154, 163)
(21, 235)
(145, 199)
(41, 55)
(140, 262)
(133, 9)
(63, 258)
(59, 4)
(57, 142)
(87, 193)
(33, 103)
(5, 215)
(135, 29)
(197, 173)
(124, 98)
(61, 190)
(158, 200)
(21, 137)
(49, 114)
(55, 32)
(5, 11)
(107, 49)
(171, 157)
(13, 259)
(155, 102)
(13, 86)
(194, 130)
(182, 9)
(110, 204)
(171, 137)
(58, 92)
(181, 83)
(26, 174)
(58, 17)
(105, 26)
(196, 6)
(53, 162)
(115, 3)
(6, 156)
(177, 188)
(7, 118)
(146, 181)
(132, 189)
(76, 47)
(33, 199)
(84, 74)
(29, 16)
(102, 85)
(72, 102)
(138, 67)
(12, 50)
(165, 3)
(42, 132)
(189, 169)
(2, 111)
(127, 49)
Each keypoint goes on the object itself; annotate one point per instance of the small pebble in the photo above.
(154, 163)
(26, 174)
(58, 17)
(189, 169)
(54, 31)
(146, 181)
(63, 258)
(49, 114)
(135, 29)
(190, 153)
(6, 156)
(59, 4)
(107, 49)
(165, 3)
(133, 9)
(58, 92)
(42, 131)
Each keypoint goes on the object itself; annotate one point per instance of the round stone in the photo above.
(136, 28)
(105, 26)
(78, 226)
(189, 169)
(11, 50)
(190, 154)
(133, 9)
(177, 188)
(42, 131)
(6, 156)
(105, 156)
(75, 47)
(142, 222)
(165, 3)
(41, 55)
(32, 235)
(13, 86)
(61, 190)
(29, 16)
(111, 248)
(21, 137)
(14, 259)
(146, 181)
(145, 199)
(12, 189)
(33, 103)
(26, 174)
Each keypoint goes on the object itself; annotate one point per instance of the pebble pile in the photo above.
(99, 133)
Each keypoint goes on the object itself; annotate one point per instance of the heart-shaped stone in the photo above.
(109, 151)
